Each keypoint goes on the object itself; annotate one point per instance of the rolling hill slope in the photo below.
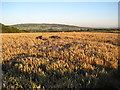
(61, 28)
(9, 29)
(48, 27)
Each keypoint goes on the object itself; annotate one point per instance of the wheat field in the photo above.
(60, 60)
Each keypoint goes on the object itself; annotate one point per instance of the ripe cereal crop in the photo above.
(60, 60)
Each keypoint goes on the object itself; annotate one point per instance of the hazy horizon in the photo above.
(60, 24)
(83, 14)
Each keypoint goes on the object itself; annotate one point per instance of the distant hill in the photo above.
(48, 27)
(23, 28)
(10, 29)
(62, 28)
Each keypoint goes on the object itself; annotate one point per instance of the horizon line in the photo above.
(62, 24)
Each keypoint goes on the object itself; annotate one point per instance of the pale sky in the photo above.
(84, 14)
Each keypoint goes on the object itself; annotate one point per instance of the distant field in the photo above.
(60, 60)
(37, 28)
(61, 28)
